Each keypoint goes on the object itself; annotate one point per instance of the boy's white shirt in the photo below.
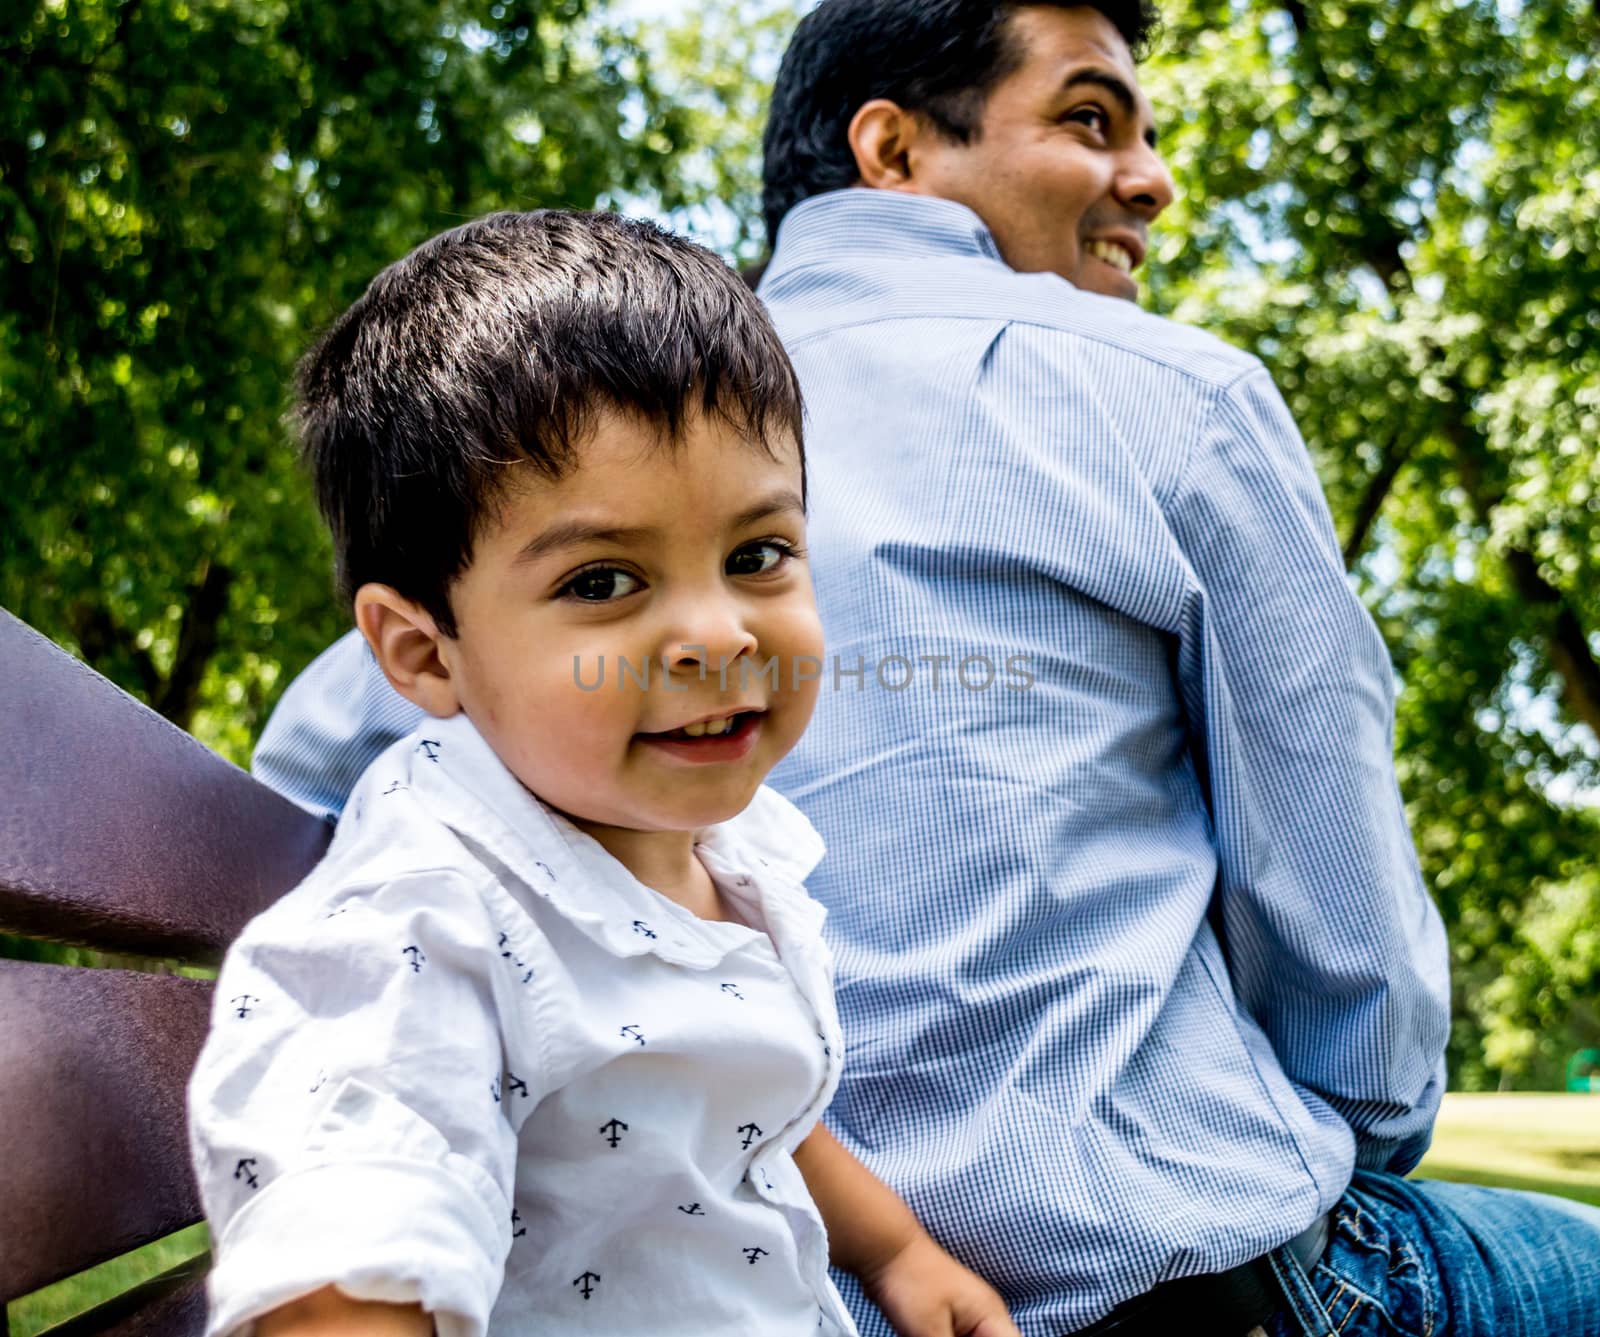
(471, 1062)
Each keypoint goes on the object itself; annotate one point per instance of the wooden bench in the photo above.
(121, 833)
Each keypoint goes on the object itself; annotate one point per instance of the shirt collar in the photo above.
(861, 218)
(770, 845)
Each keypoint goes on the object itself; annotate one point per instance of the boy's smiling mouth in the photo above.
(725, 737)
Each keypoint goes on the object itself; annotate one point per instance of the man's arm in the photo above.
(920, 1288)
(333, 720)
(1334, 945)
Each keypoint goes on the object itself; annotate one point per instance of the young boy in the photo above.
(541, 1045)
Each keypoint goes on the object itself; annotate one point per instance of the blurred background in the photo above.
(1396, 205)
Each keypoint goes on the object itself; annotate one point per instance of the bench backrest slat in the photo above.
(92, 1128)
(159, 1308)
(118, 830)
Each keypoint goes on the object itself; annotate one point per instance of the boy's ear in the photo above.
(881, 135)
(406, 642)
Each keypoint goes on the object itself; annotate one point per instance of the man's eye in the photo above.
(756, 559)
(1092, 117)
(600, 584)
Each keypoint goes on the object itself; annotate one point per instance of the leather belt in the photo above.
(1228, 1304)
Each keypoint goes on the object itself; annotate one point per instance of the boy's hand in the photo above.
(920, 1288)
(924, 1292)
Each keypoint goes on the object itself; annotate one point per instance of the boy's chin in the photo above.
(681, 813)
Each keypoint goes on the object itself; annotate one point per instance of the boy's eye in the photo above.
(599, 584)
(756, 559)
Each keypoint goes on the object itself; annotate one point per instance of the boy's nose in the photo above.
(709, 640)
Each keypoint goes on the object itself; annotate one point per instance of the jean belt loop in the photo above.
(1300, 1299)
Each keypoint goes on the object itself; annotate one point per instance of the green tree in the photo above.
(1398, 207)
(717, 62)
(188, 190)
(1545, 1006)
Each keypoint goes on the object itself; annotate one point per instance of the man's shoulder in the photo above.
(333, 719)
(1042, 308)
(1042, 314)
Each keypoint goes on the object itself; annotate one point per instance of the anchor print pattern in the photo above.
(753, 1253)
(509, 955)
(613, 1131)
(429, 747)
(415, 955)
(693, 1209)
(586, 1283)
(246, 1170)
(643, 929)
(732, 990)
(514, 1085)
(751, 1133)
(518, 1230)
(631, 1033)
(241, 1004)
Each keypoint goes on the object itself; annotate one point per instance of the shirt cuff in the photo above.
(380, 1229)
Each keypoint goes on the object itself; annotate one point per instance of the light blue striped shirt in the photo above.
(1134, 964)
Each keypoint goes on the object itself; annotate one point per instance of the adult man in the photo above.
(1135, 964)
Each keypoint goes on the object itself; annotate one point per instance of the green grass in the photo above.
(55, 1304)
(1545, 1143)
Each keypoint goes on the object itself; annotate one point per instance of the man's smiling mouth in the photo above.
(1112, 253)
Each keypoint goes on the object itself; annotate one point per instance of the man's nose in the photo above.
(1144, 184)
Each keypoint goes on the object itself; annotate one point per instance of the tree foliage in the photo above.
(1398, 207)
(188, 190)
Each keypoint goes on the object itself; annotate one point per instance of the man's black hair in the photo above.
(496, 344)
(941, 58)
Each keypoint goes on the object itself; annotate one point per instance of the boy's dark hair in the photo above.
(495, 344)
(941, 58)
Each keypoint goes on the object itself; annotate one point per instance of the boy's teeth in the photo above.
(708, 727)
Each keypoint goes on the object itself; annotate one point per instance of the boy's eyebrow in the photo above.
(786, 500)
(571, 533)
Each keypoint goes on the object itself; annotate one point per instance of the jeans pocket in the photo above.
(1372, 1281)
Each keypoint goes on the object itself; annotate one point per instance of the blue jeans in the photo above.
(1422, 1258)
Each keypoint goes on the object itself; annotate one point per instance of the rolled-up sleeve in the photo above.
(346, 1117)
(1334, 946)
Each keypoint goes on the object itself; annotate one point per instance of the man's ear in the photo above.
(881, 136)
(407, 645)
